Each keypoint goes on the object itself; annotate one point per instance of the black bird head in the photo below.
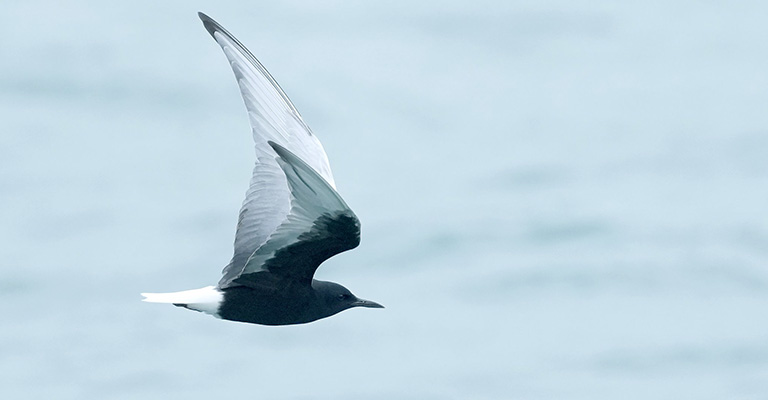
(337, 298)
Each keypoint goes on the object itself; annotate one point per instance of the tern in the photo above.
(291, 221)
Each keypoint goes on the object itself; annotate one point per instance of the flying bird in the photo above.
(291, 221)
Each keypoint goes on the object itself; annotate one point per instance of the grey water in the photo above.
(559, 200)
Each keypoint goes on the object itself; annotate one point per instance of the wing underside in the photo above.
(319, 225)
(273, 118)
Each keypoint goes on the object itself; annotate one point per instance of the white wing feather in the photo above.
(273, 118)
(319, 222)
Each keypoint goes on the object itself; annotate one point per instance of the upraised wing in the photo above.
(273, 118)
(319, 226)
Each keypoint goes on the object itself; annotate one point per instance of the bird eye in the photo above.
(343, 296)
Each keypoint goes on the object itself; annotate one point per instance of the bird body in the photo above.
(285, 303)
(291, 221)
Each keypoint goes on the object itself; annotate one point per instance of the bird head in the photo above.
(337, 298)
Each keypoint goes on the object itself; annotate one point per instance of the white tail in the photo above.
(205, 299)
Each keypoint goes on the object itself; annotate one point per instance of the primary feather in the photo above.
(273, 117)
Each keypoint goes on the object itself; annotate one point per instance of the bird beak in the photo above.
(366, 303)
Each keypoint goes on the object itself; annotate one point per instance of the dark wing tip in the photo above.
(288, 157)
(210, 24)
(280, 150)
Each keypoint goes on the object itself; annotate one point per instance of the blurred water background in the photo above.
(560, 200)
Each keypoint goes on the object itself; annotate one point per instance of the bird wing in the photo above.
(273, 118)
(319, 226)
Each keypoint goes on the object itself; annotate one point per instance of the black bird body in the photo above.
(291, 221)
(284, 302)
